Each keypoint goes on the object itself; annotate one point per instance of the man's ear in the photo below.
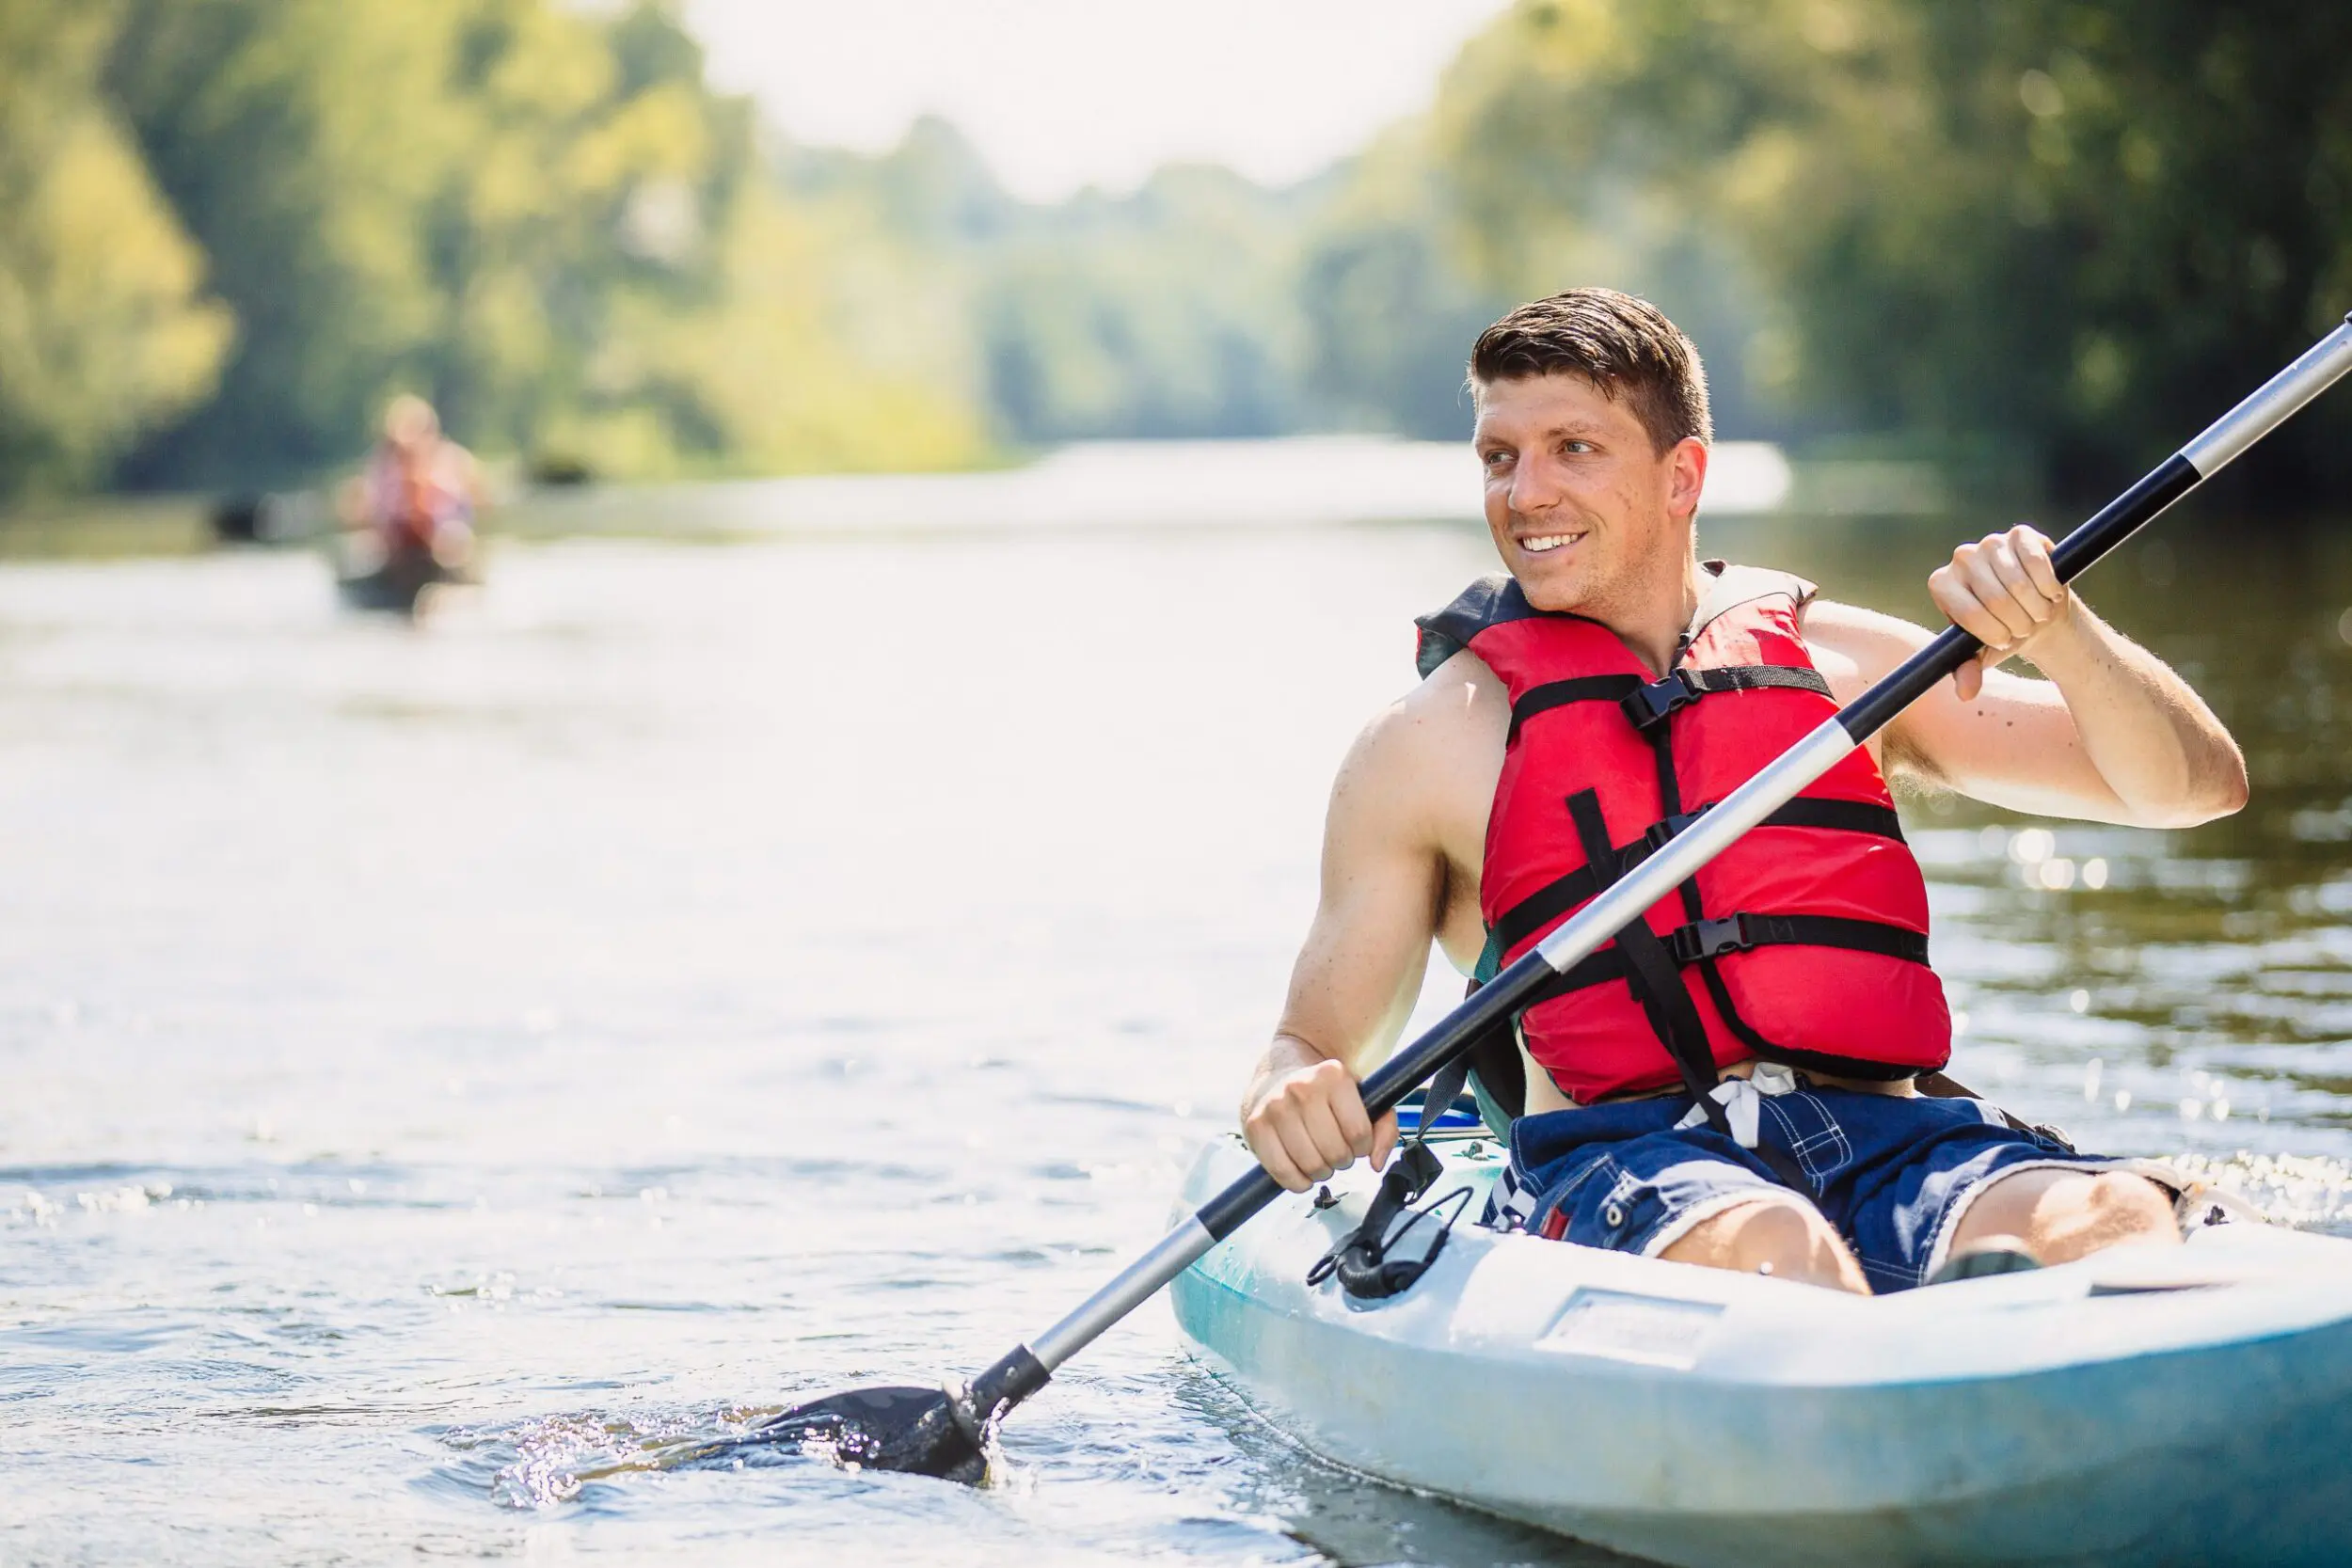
(1686, 476)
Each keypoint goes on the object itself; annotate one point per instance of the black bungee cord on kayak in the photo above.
(947, 1432)
(1386, 1254)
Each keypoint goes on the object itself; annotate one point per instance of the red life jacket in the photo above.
(1805, 942)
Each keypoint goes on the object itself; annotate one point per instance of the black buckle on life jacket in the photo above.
(1663, 830)
(1654, 838)
(1651, 704)
(1709, 939)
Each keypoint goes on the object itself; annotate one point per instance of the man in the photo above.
(1731, 1081)
(417, 498)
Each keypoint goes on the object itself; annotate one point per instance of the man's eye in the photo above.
(1497, 459)
(1576, 446)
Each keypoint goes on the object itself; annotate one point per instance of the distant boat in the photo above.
(268, 517)
(237, 519)
(371, 576)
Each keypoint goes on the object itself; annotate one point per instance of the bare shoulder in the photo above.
(1853, 646)
(1431, 756)
(1461, 698)
(1456, 719)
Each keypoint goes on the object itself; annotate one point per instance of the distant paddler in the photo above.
(410, 515)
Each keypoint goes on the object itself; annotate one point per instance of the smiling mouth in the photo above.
(1542, 543)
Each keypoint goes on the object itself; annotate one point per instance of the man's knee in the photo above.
(1779, 1234)
(2065, 1214)
(2127, 1205)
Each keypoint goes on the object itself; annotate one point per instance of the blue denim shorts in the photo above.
(1892, 1173)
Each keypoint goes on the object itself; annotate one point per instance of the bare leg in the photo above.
(1779, 1234)
(2060, 1215)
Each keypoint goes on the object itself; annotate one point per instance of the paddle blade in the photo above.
(913, 1430)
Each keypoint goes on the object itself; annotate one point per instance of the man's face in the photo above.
(1585, 512)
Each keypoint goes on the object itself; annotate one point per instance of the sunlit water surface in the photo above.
(444, 1063)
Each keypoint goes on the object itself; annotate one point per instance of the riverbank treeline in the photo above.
(2047, 235)
(2065, 230)
(229, 229)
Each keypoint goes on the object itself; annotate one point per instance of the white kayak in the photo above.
(2187, 1405)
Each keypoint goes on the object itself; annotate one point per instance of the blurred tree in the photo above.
(2052, 223)
(1163, 314)
(825, 351)
(102, 328)
(1390, 307)
(1166, 311)
(537, 214)
(2039, 227)
(299, 139)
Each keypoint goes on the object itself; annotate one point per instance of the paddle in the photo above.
(945, 1432)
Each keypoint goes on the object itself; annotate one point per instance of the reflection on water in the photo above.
(450, 1065)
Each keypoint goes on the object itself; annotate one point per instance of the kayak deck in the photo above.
(2189, 1406)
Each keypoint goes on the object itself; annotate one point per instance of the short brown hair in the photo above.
(1623, 345)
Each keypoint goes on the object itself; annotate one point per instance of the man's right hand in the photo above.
(1304, 1119)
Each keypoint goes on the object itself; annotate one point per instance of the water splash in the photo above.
(553, 1457)
(2308, 1192)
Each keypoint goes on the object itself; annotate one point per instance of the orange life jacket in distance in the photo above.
(1803, 942)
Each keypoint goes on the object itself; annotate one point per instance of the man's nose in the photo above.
(1531, 486)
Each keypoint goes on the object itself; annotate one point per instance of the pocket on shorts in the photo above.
(1811, 1134)
(1597, 1206)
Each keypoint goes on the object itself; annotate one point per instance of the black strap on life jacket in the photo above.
(1655, 702)
(1582, 689)
(1498, 1071)
(1703, 940)
(1650, 969)
(1708, 939)
(1565, 893)
(1645, 706)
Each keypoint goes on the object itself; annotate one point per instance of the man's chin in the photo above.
(1559, 588)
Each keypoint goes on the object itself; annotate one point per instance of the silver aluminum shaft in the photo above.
(1624, 902)
(2322, 365)
(1135, 1285)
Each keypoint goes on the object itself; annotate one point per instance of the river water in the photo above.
(680, 978)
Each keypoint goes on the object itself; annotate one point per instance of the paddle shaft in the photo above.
(1025, 1369)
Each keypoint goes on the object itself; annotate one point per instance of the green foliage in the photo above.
(298, 141)
(103, 328)
(536, 214)
(1164, 312)
(2058, 230)
(2056, 224)
(1157, 314)
(1391, 310)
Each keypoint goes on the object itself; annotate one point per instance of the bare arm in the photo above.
(2113, 735)
(1385, 871)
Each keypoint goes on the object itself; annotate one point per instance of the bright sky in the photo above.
(1059, 94)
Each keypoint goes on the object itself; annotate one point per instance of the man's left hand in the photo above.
(2004, 591)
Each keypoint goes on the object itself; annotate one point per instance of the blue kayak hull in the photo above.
(2156, 1406)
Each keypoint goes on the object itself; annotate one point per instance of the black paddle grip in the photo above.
(1004, 1384)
